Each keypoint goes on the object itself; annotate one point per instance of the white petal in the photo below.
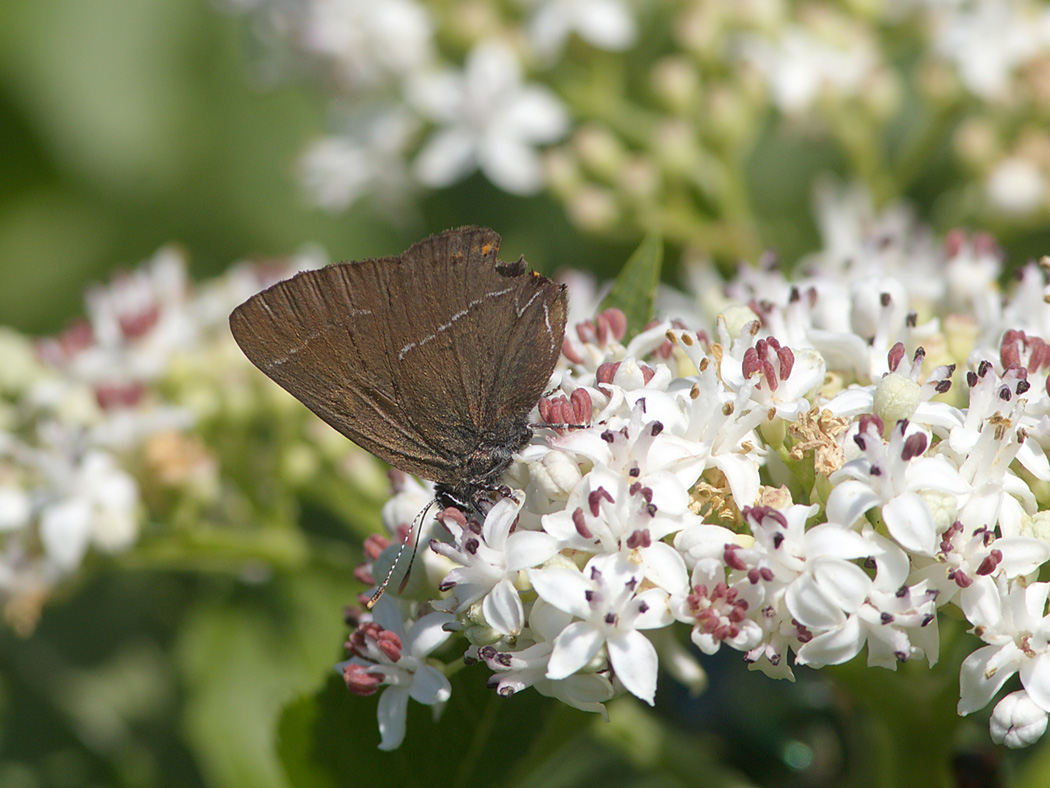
(65, 530)
(665, 567)
(909, 521)
(851, 402)
(1035, 596)
(982, 604)
(526, 549)
(393, 705)
(427, 634)
(573, 649)
(492, 71)
(430, 686)
(634, 659)
(445, 158)
(976, 688)
(842, 583)
(658, 609)
(703, 541)
(511, 165)
(833, 647)
(499, 521)
(536, 116)
(1031, 456)
(606, 24)
(742, 474)
(833, 539)
(810, 606)
(935, 473)
(1022, 555)
(546, 620)
(503, 610)
(438, 96)
(548, 30)
(849, 500)
(15, 508)
(891, 561)
(563, 588)
(387, 614)
(1035, 677)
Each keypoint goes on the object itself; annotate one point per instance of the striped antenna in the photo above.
(417, 528)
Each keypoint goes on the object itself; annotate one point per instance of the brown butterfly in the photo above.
(430, 360)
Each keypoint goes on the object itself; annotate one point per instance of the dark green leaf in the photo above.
(331, 738)
(634, 290)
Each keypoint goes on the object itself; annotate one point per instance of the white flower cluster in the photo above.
(83, 412)
(806, 474)
(423, 94)
(412, 110)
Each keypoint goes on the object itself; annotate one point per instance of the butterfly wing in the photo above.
(415, 358)
(320, 336)
(483, 335)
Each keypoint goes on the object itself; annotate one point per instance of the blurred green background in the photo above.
(128, 125)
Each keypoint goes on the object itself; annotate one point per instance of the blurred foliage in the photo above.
(125, 126)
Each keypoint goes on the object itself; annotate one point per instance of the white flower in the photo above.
(605, 597)
(99, 505)
(490, 563)
(717, 611)
(608, 514)
(986, 444)
(988, 39)
(783, 378)
(15, 508)
(386, 654)
(1015, 624)
(527, 667)
(893, 475)
(487, 118)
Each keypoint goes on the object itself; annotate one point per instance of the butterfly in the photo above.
(430, 360)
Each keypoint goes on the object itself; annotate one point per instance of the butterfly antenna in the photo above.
(417, 527)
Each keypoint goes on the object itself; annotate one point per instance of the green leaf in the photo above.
(329, 740)
(634, 290)
(243, 651)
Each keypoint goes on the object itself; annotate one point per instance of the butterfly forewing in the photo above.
(314, 338)
(414, 357)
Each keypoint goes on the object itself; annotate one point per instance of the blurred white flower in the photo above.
(486, 118)
(799, 66)
(988, 40)
(1017, 186)
(367, 158)
(607, 24)
(368, 41)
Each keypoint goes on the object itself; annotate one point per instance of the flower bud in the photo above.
(896, 397)
(1017, 721)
